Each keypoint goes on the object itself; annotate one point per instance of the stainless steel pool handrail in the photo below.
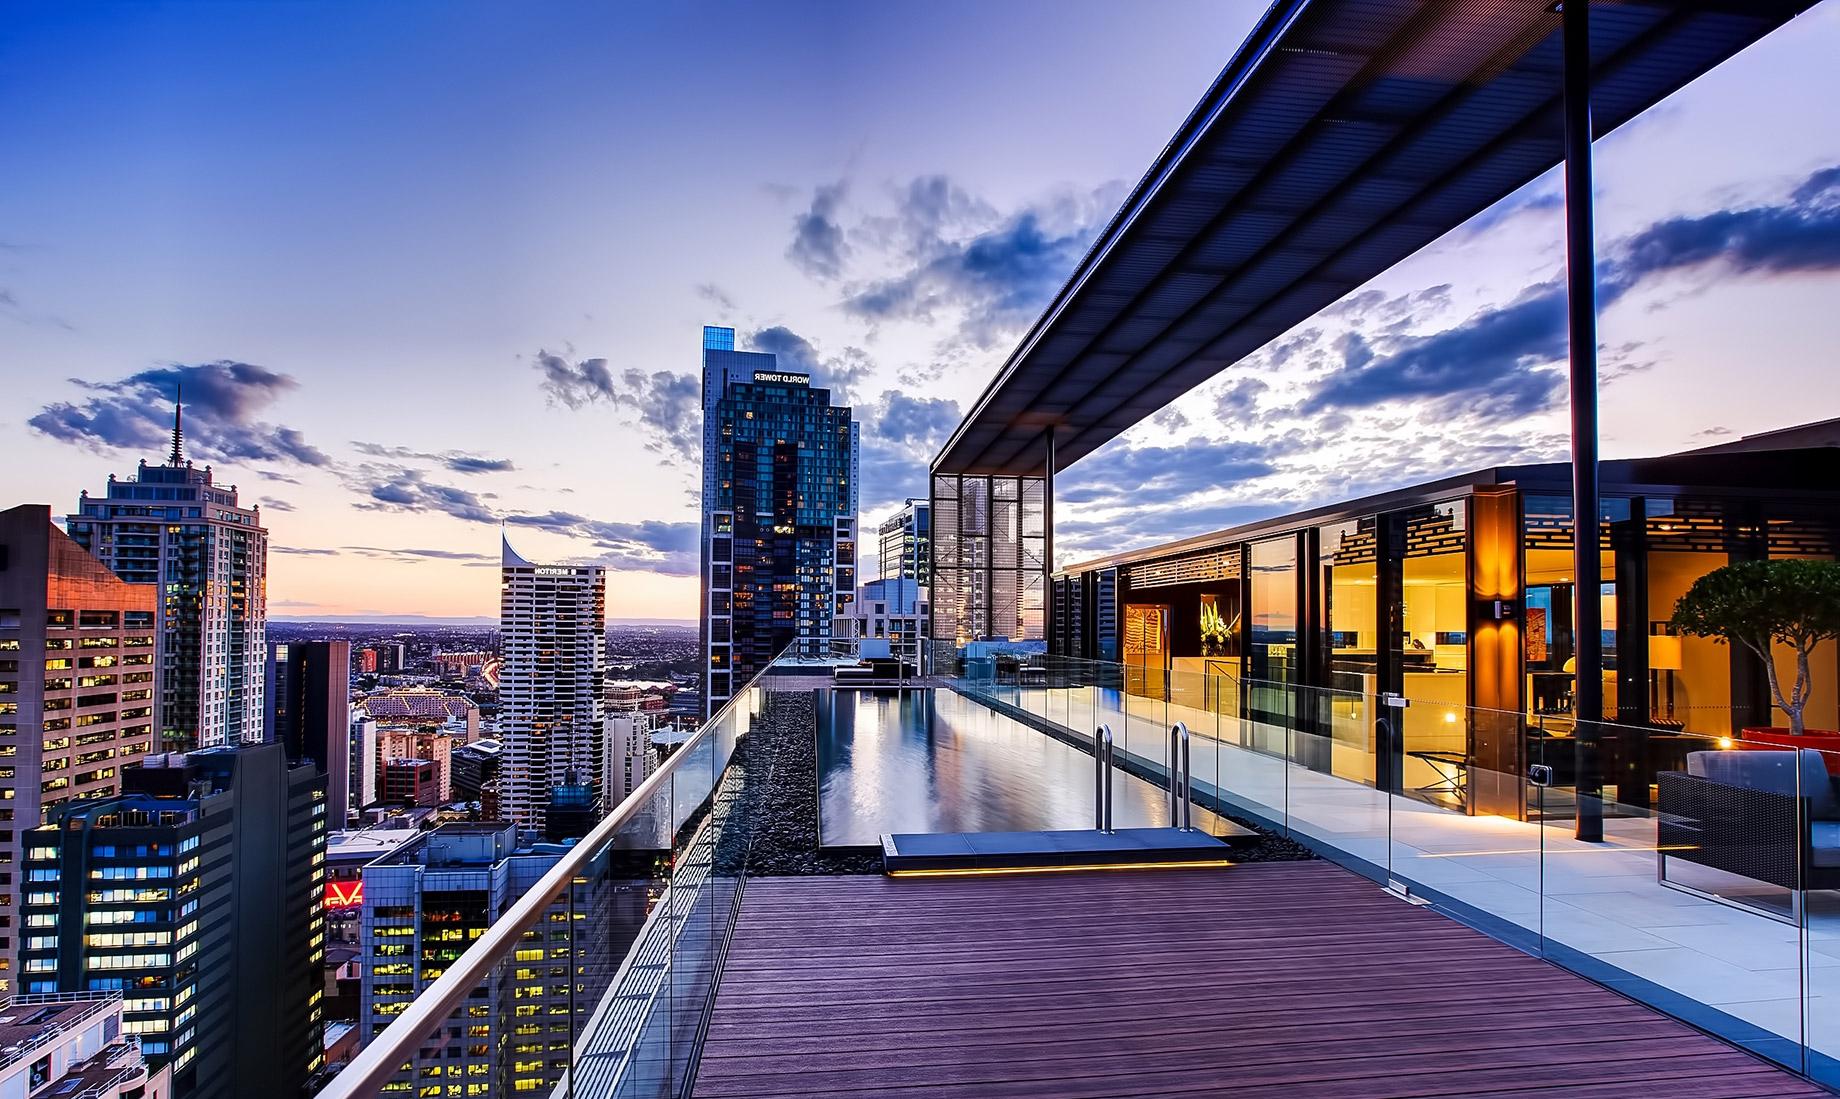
(1181, 779)
(1102, 778)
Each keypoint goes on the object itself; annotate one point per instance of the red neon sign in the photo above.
(344, 894)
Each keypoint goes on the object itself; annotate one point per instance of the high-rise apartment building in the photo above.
(906, 543)
(630, 759)
(173, 527)
(309, 712)
(196, 894)
(779, 514)
(77, 682)
(553, 631)
(425, 903)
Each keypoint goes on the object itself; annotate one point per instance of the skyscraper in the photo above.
(76, 685)
(553, 630)
(779, 514)
(172, 526)
(906, 539)
(206, 879)
(426, 902)
(309, 712)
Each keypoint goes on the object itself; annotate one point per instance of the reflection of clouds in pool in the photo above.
(933, 761)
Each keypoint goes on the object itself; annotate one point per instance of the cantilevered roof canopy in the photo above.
(1341, 138)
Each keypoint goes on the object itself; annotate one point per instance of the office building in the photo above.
(362, 754)
(77, 682)
(553, 632)
(425, 903)
(366, 662)
(630, 759)
(410, 782)
(475, 766)
(779, 515)
(211, 866)
(431, 746)
(896, 610)
(73, 1047)
(906, 543)
(172, 526)
(309, 712)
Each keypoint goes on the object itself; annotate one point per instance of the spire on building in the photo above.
(178, 426)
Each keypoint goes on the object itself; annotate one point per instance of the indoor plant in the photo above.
(1756, 603)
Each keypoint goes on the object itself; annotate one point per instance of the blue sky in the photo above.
(460, 255)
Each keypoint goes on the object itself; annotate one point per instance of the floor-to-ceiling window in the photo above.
(1271, 664)
(1433, 651)
(1350, 637)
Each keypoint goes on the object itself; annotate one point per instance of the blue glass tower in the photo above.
(779, 514)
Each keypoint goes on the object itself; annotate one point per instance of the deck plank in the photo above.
(1299, 980)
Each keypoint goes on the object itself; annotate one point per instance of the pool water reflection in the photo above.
(932, 761)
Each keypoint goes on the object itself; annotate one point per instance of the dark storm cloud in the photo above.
(818, 246)
(224, 403)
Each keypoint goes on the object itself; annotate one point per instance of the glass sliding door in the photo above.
(1271, 665)
(1433, 653)
(1350, 638)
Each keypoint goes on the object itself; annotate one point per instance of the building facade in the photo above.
(779, 515)
(906, 543)
(425, 903)
(895, 610)
(173, 527)
(309, 712)
(77, 684)
(553, 632)
(197, 896)
(630, 758)
(1457, 596)
(73, 1046)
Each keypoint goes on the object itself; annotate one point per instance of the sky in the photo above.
(430, 270)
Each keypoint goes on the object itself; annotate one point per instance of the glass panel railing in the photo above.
(511, 966)
(1710, 888)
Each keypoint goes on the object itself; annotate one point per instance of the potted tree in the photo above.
(1760, 603)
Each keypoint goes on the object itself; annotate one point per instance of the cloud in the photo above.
(224, 405)
(304, 551)
(1503, 363)
(818, 246)
(400, 488)
(454, 461)
(996, 280)
(412, 556)
(716, 296)
(1121, 472)
(839, 373)
(669, 405)
(900, 436)
(277, 505)
(669, 549)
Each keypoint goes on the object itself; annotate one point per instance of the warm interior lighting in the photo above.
(1450, 718)
(1664, 653)
(992, 871)
(1724, 742)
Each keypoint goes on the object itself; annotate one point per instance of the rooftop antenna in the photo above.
(178, 425)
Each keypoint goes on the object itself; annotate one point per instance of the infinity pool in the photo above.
(932, 761)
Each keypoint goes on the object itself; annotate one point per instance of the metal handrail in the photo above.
(1102, 778)
(382, 1059)
(1181, 779)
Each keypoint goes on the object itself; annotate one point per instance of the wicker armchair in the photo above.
(1769, 816)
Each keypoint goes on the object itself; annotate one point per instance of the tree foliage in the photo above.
(1760, 603)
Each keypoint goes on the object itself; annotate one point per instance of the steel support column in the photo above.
(1581, 327)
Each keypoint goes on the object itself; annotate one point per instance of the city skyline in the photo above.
(470, 304)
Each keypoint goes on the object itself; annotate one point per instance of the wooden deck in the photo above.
(1299, 979)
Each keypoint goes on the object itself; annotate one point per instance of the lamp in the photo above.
(1665, 655)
